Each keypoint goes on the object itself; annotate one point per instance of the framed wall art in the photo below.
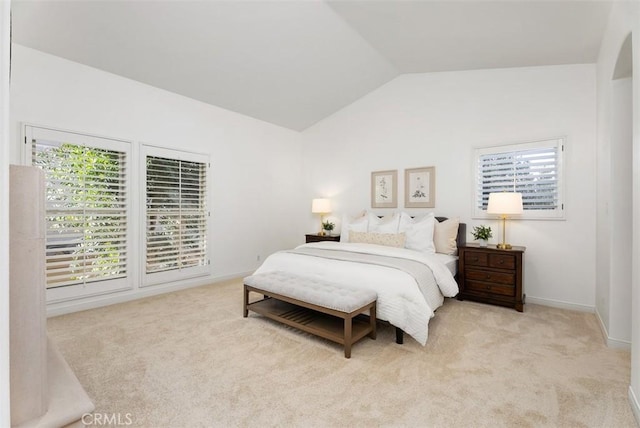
(384, 189)
(420, 187)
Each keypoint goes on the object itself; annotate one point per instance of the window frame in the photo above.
(93, 288)
(556, 214)
(163, 277)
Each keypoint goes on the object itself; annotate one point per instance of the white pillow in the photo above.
(356, 224)
(445, 235)
(386, 224)
(419, 232)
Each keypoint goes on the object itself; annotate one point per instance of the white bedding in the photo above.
(400, 299)
(451, 262)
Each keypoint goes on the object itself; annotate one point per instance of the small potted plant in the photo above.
(481, 234)
(327, 227)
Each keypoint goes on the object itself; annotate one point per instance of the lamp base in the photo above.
(504, 245)
(321, 233)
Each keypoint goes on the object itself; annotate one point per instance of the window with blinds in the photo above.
(533, 169)
(176, 215)
(86, 210)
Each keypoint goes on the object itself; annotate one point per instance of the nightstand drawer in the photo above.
(484, 287)
(476, 258)
(507, 278)
(502, 261)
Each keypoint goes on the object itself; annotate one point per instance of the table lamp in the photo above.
(322, 207)
(504, 204)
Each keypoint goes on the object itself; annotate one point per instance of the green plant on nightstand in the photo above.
(482, 233)
(328, 226)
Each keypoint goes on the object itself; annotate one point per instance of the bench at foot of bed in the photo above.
(318, 307)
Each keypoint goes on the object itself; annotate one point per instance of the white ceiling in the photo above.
(292, 63)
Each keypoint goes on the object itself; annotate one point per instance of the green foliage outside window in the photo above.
(86, 212)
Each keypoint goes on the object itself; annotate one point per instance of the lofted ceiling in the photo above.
(293, 63)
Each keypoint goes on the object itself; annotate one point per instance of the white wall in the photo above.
(614, 216)
(614, 200)
(256, 190)
(620, 207)
(437, 119)
(624, 19)
(5, 408)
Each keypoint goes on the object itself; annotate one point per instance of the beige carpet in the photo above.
(189, 359)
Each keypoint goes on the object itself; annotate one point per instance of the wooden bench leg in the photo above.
(246, 302)
(347, 337)
(372, 320)
(399, 336)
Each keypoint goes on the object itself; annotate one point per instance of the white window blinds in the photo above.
(176, 215)
(533, 169)
(86, 211)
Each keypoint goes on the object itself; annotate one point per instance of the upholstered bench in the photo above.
(315, 306)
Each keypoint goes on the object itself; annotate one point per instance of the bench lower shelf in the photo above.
(343, 330)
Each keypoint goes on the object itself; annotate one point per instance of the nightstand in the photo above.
(318, 238)
(491, 275)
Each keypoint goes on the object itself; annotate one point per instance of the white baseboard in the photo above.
(610, 341)
(559, 304)
(635, 407)
(603, 328)
(618, 344)
(93, 302)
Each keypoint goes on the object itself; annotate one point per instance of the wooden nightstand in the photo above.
(318, 238)
(491, 275)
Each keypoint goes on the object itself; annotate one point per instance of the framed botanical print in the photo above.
(384, 189)
(420, 187)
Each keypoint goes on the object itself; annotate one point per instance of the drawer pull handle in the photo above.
(488, 287)
(475, 259)
(488, 276)
(501, 261)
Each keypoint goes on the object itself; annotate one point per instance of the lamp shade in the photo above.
(321, 206)
(505, 203)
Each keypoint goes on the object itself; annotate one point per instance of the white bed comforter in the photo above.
(400, 299)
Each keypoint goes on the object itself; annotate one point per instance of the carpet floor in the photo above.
(189, 359)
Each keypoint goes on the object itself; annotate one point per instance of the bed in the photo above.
(411, 283)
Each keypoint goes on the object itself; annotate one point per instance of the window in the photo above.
(176, 215)
(91, 225)
(533, 169)
(86, 211)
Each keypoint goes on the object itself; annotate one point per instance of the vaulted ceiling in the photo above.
(293, 63)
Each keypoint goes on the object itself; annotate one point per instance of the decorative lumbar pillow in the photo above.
(445, 235)
(387, 239)
(386, 224)
(355, 224)
(419, 232)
